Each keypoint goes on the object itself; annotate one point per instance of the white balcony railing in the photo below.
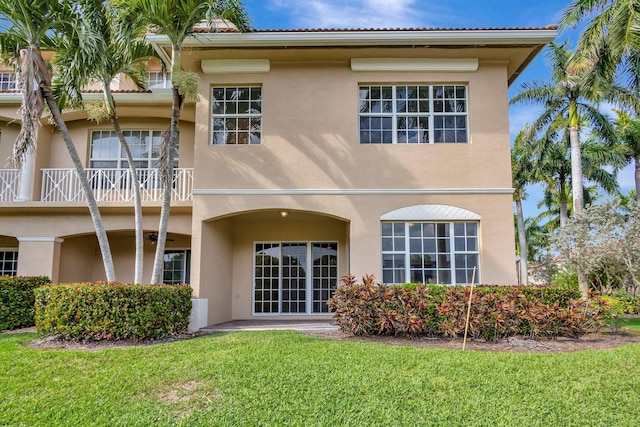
(113, 185)
(9, 182)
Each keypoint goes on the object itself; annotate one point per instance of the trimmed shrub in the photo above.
(96, 311)
(440, 311)
(17, 300)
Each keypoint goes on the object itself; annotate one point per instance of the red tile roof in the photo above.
(351, 30)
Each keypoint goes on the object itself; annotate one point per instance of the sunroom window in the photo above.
(236, 115)
(429, 252)
(413, 114)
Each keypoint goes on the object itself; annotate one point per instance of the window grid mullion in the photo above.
(407, 255)
(394, 114)
(452, 245)
(431, 114)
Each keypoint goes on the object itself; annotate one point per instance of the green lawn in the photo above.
(286, 378)
(632, 323)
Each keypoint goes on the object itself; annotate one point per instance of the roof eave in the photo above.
(365, 38)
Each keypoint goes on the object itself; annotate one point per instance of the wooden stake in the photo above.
(466, 324)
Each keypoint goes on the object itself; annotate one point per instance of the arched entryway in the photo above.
(271, 263)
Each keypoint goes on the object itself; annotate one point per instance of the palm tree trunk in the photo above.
(564, 212)
(576, 170)
(167, 174)
(522, 240)
(167, 168)
(101, 234)
(637, 164)
(135, 184)
(576, 182)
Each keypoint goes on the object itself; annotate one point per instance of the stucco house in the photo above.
(310, 154)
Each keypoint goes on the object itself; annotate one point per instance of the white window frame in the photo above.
(186, 264)
(309, 277)
(8, 80)
(452, 249)
(246, 115)
(4, 272)
(159, 80)
(122, 158)
(430, 115)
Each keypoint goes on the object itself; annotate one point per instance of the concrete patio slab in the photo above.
(270, 325)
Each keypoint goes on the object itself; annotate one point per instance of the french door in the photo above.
(294, 277)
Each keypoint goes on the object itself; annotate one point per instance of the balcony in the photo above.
(109, 185)
(9, 182)
(113, 185)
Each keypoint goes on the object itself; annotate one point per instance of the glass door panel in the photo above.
(267, 275)
(325, 274)
(294, 278)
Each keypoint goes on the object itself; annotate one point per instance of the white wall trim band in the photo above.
(415, 64)
(351, 191)
(235, 66)
(40, 239)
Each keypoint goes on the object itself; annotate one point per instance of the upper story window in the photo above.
(8, 81)
(416, 114)
(107, 153)
(159, 80)
(236, 115)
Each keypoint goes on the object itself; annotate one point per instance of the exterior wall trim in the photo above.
(350, 191)
(415, 64)
(40, 239)
(227, 66)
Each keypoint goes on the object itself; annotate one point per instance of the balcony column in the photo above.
(27, 176)
(39, 256)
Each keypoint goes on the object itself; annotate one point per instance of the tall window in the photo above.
(8, 262)
(177, 267)
(294, 277)
(8, 81)
(429, 252)
(236, 115)
(107, 153)
(414, 114)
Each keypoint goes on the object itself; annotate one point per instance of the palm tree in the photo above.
(569, 97)
(553, 167)
(176, 19)
(36, 25)
(610, 40)
(521, 172)
(113, 58)
(628, 130)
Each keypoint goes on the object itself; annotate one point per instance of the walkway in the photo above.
(270, 325)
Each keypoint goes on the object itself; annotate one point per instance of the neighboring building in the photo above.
(309, 155)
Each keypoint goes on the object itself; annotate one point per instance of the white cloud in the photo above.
(521, 115)
(362, 13)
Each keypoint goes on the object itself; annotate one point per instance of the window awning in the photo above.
(430, 213)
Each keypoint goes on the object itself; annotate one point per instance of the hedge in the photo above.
(96, 311)
(17, 300)
(440, 311)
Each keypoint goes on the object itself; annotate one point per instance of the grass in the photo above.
(632, 323)
(286, 378)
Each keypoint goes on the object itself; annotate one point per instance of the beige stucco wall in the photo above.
(8, 134)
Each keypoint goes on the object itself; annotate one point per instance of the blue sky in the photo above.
(274, 14)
